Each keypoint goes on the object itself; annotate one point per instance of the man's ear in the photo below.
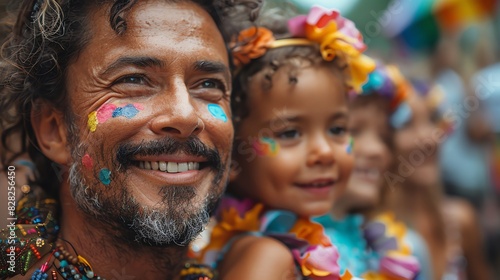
(50, 130)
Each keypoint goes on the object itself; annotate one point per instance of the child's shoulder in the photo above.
(266, 253)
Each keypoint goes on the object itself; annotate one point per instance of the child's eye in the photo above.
(288, 134)
(338, 130)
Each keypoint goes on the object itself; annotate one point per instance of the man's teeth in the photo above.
(169, 167)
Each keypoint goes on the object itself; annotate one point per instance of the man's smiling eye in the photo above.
(132, 79)
(213, 83)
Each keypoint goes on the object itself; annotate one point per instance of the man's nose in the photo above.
(178, 117)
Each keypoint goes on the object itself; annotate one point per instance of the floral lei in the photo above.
(335, 35)
(385, 238)
(315, 256)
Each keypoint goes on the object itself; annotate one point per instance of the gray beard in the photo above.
(174, 221)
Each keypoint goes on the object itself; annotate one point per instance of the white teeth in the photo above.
(163, 166)
(182, 167)
(172, 167)
(169, 167)
(154, 165)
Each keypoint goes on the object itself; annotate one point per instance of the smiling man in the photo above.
(132, 97)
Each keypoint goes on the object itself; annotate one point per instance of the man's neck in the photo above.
(113, 257)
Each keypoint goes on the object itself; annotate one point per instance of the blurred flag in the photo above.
(418, 24)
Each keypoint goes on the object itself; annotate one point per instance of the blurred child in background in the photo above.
(372, 243)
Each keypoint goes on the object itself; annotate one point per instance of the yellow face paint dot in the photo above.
(92, 121)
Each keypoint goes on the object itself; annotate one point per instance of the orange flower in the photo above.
(311, 232)
(232, 224)
(252, 43)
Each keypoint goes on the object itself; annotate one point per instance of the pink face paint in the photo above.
(108, 111)
(138, 106)
(105, 112)
(87, 161)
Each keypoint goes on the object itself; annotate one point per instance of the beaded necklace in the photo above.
(33, 237)
(78, 268)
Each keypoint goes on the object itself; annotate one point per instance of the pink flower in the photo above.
(241, 206)
(337, 36)
(319, 262)
(399, 266)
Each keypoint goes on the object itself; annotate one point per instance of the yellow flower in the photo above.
(232, 224)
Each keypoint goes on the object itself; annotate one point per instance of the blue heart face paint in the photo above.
(105, 176)
(217, 112)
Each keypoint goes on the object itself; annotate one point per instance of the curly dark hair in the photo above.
(293, 57)
(44, 36)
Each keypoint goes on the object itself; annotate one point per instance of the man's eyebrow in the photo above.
(209, 66)
(138, 61)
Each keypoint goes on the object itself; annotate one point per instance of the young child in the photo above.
(291, 157)
(371, 242)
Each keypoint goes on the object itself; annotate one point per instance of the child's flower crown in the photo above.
(335, 35)
(388, 82)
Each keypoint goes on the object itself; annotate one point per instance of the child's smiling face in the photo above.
(292, 147)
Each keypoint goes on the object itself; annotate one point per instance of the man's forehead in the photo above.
(156, 27)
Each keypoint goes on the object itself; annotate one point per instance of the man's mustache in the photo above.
(193, 146)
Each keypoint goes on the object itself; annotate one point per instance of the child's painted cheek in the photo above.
(350, 145)
(108, 111)
(217, 112)
(265, 146)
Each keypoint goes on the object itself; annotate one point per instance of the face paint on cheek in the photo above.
(87, 162)
(105, 112)
(265, 147)
(217, 112)
(350, 145)
(128, 111)
(105, 176)
(92, 121)
(108, 111)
